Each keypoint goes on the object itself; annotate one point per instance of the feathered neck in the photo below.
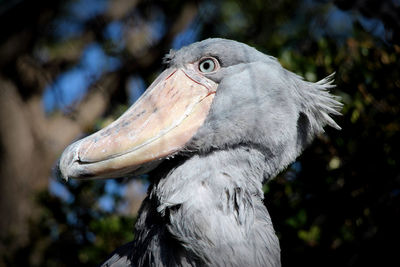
(208, 210)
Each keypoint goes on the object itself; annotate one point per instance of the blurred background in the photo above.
(70, 67)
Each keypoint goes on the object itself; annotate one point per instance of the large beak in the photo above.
(159, 124)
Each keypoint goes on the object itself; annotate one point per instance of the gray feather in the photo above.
(206, 209)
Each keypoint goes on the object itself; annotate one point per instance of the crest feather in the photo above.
(319, 104)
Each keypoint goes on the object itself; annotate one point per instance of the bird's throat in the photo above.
(213, 205)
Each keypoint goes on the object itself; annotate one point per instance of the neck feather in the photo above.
(211, 205)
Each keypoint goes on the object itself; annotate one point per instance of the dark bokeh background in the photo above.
(69, 67)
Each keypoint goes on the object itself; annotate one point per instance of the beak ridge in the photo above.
(159, 124)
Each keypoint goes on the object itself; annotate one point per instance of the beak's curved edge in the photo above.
(159, 124)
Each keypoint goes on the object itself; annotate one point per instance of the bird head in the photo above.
(214, 95)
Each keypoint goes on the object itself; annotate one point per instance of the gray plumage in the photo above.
(205, 207)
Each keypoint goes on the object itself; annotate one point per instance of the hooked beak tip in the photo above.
(69, 161)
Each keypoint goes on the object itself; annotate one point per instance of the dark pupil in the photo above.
(206, 65)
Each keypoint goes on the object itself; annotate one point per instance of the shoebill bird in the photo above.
(220, 121)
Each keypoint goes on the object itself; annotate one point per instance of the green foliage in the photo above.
(75, 232)
(311, 236)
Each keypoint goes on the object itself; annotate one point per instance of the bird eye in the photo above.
(207, 65)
